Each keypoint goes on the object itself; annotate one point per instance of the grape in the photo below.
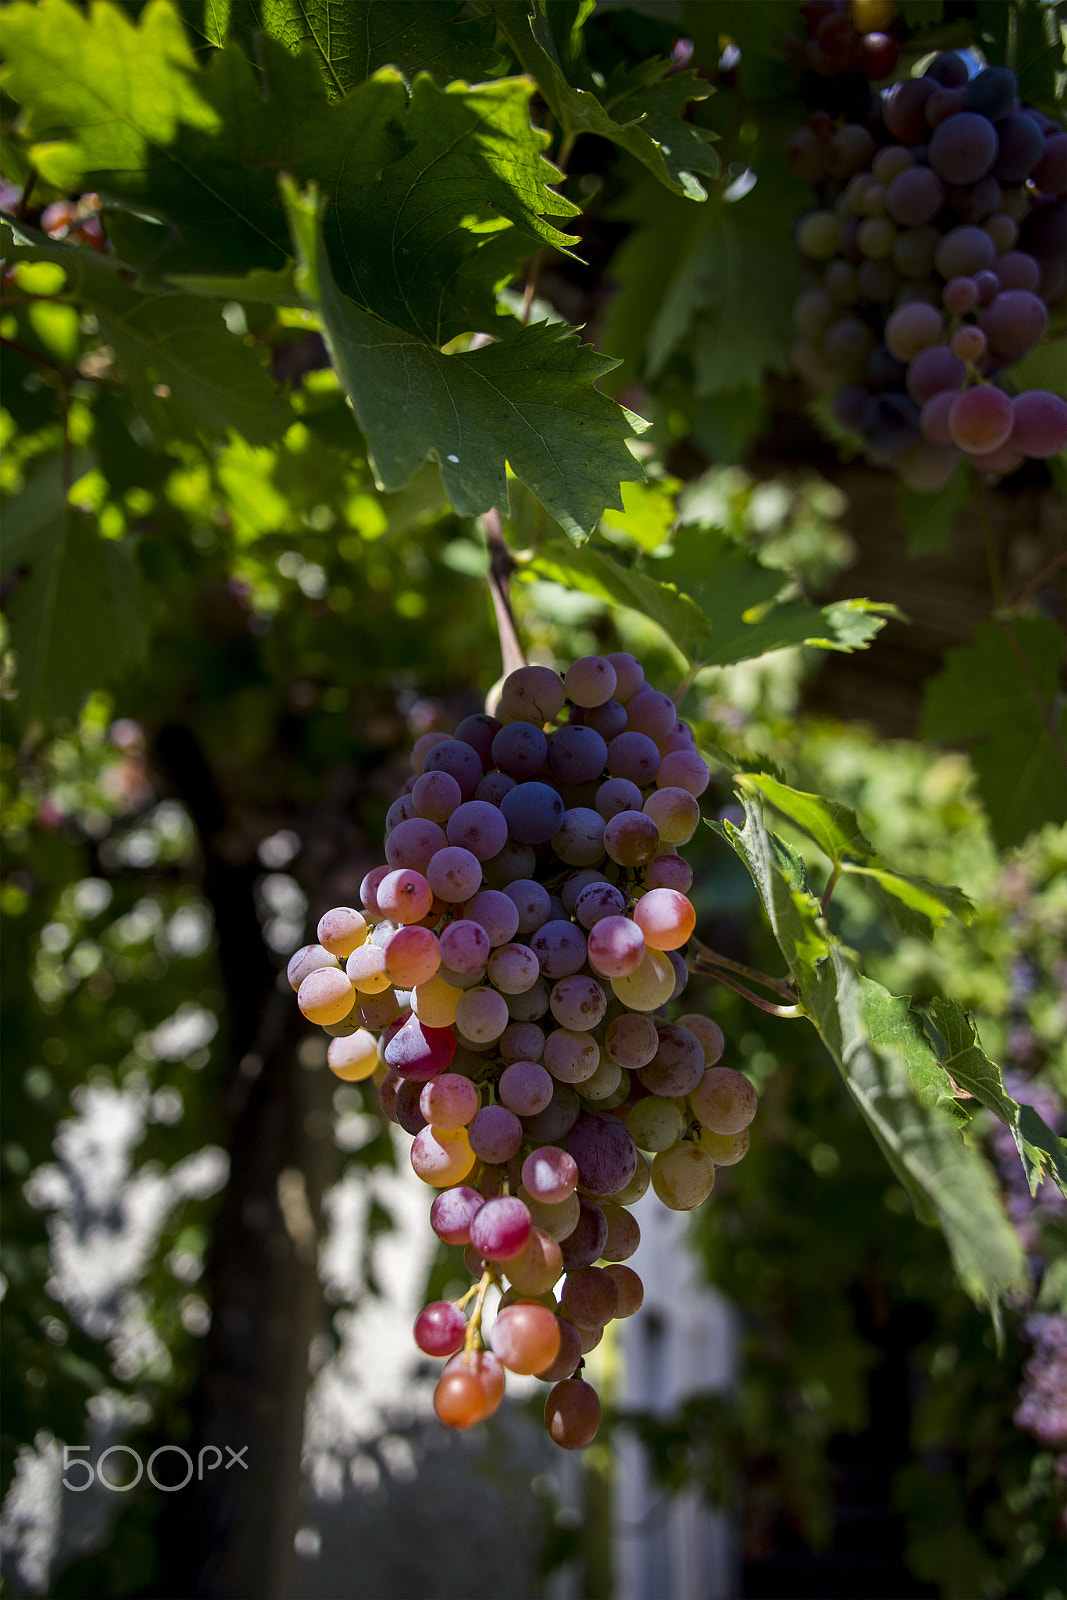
(980, 420)
(453, 1212)
(969, 344)
(912, 328)
(1013, 323)
(341, 931)
(560, 948)
(649, 985)
(683, 769)
(590, 681)
(453, 872)
(847, 344)
(495, 1134)
(497, 913)
(449, 1101)
(934, 369)
(602, 1087)
(368, 890)
(414, 842)
(590, 1297)
(1039, 426)
(605, 1153)
(678, 1065)
(531, 694)
(631, 1289)
(400, 811)
(608, 720)
(408, 1111)
(309, 958)
(532, 903)
(434, 1002)
(587, 1237)
(616, 947)
(963, 252)
(934, 418)
(915, 196)
(890, 160)
(725, 1149)
(460, 761)
(440, 1329)
(326, 995)
(525, 1087)
(412, 956)
(632, 837)
(1001, 461)
(549, 1174)
(580, 841)
(529, 1005)
(816, 235)
(624, 1233)
(683, 1176)
(666, 918)
(875, 238)
(902, 109)
(633, 755)
(442, 1158)
(890, 422)
(1003, 231)
(404, 895)
(559, 1221)
(478, 827)
(482, 1015)
(479, 731)
(422, 747)
(576, 754)
(571, 1056)
(914, 251)
(992, 92)
(366, 968)
(631, 1040)
(513, 969)
(964, 148)
(495, 785)
(377, 1011)
(572, 1414)
(850, 150)
(417, 1051)
(948, 68)
(1050, 173)
(943, 103)
(538, 1265)
(570, 1353)
(520, 749)
(597, 901)
(526, 1337)
(804, 156)
(469, 1390)
(464, 946)
(813, 312)
(655, 1123)
(724, 1100)
(960, 295)
(501, 1228)
(354, 1058)
(533, 811)
(883, 369)
(578, 1002)
(1016, 270)
(521, 1041)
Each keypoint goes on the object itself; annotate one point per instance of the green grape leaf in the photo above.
(187, 374)
(916, 905)
(1043, 1143)
(640, 108)
(77, 612)
(1002, 692)
(720, 283)
(759, 28)
(595, 572)
(648, 513)
(528, 402)
(1027, 36)
(929, 518)
(455, 176)
(894, 1077)
(354, 38)
(922, 13)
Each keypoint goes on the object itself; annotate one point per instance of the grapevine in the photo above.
(506, 982)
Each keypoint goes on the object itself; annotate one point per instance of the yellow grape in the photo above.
(326, 995)
(650, 986)
(355, 1057)
(683, 1176)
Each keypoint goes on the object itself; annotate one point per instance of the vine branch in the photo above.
(501, 566)
(703, 959)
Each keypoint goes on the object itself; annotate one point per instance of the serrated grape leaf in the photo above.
(77, 615)
(1005, 704)
(456, 177)
(640, 108)
(929, 518)
(968, 1066)
(186, 372)
(352, 39)
(529, 402)
(595, 572)
(648, 513)
(893, 1078)
(719, 283)
(916, 905)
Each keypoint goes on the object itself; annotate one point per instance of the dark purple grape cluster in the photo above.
(930, 264)
(506, 983)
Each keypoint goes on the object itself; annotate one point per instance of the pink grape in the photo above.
(651, 713)
(453, 873)
(464, 946)
(669, 872)
(550, 1174)
(496, 913)
(525, 1087)
(532, 903)
(422, 747)
(1039, 427)
(449, 1101)
(629, 674)
(616, 947)
(981, 419)
(590, 681)
(495, 1134)
(459, 760)
(478, 827)
(440, 1329)
(452, 1213)
(419, 1053)
(683, 769)
(501, 1228)
(414, 843)
(934, 369)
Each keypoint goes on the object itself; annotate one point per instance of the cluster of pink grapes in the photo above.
(506, 982)
(930, 263)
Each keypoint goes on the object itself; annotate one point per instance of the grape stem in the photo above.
(789, 1012)
(473, 1336)
(501, 566)
(1004, 618)
(701, 953)
(684, 687)
(831, 885)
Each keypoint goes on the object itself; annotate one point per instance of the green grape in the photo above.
(683, 1176)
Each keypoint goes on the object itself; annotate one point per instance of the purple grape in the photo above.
(599, 900)
(949, 69)
(1013, 323)
(560, 948)
(915, 196)
(992, 93)
(459, 760)
(534, 812)
(585, 1243)
(520, 750)
(618, 794)
(521, 1041)
(435, 796)
(501, 1228)
(964, 148)
(590, 1297)
(495, 1134)
(419, 1053)
(558, 1117)
(1017, 270)
(634, 756)
(576, 882)
(580, 841)
(960, 295)
(525, 1088)
(576, 754)
(479, 731)
(408, 1110)
(452, 1213)
(1040, 426)
(608, 720)
(532, 903)
(934, 369)
(1021, 148)
(605, 1153)
(964, 251)
(464, 946)
(890, 423)
(493, 787)
(497, 913)
(478, 827)
(678, 1065)
(413, 843)
(1050, 173)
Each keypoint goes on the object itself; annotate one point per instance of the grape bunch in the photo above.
(507, 983)
(930, 263)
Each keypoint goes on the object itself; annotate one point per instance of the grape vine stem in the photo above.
(473, 1335)
(711, 964)
(501, 566)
